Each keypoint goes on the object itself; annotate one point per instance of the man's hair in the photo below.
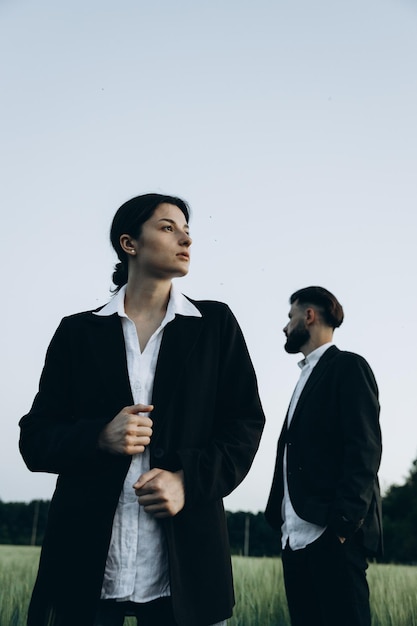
(328, 305)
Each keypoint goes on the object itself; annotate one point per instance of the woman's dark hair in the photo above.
(128, 221)
(330, 308)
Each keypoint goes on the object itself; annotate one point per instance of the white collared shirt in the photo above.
(297, 531)
(137, 560)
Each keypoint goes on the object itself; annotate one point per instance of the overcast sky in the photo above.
(289, 126)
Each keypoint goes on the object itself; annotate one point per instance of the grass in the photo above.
(393, 595)
(18, 566)
(260, 597)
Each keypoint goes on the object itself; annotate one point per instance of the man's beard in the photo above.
(297, 338)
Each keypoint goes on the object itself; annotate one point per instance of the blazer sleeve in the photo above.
(362, 446)
(214, 470)
(52, 439)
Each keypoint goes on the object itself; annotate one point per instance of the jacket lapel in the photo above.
(318, 371)
(106, 342)
(180, 336)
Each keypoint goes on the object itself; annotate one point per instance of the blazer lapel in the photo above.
(106, 341)
(180, 336)
(318, 371)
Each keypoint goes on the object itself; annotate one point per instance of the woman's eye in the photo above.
(168, 228)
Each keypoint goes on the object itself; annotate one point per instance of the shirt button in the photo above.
(158, 453)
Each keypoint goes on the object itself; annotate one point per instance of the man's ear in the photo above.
(310, 315)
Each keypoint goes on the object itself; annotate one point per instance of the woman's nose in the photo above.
(186, 240)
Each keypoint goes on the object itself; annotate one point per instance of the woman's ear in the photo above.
(128, 244)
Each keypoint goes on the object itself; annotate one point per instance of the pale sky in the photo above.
(289, 127)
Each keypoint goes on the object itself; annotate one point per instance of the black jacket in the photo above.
(334, 451)
(207, 420)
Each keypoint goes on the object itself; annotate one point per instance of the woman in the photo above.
(148, 411)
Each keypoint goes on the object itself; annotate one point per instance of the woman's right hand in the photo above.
(129, 432)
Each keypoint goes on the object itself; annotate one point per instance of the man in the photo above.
(325, 495)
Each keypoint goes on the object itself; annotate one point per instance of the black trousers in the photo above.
(326, 583)
(155, 613)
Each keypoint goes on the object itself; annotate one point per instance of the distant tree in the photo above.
(261, 540)
(400, 520)
(22, 523)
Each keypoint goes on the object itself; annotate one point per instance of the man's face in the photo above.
(296, 330)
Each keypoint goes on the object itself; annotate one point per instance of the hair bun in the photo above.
(120, 275)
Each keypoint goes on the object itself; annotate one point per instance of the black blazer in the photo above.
(208, 421)
(334, 451)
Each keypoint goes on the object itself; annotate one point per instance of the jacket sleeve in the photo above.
(51, 439)
(214, 470)
(362, 447)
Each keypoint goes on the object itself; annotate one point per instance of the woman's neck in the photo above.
(146, 297)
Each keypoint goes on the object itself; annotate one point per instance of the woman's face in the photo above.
(162, 250)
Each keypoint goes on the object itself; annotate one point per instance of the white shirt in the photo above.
(137, 560)
(297, 531)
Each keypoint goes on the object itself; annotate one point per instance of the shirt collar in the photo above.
(178, 305)
(312, 359)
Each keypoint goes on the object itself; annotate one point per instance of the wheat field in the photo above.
(260, 597)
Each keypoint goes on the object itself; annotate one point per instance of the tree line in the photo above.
(24, 524)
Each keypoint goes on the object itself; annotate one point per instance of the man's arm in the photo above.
(362, 446)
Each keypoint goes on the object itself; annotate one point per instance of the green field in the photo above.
(260, 599)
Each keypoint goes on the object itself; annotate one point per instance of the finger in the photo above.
(140, 408)
(142, 421)
(131, 449)
(139, 430)
(151, 504)
(147, 499)
(134, 444)
(135, 423)
(158, 510)
(147, 490)
(138, 440)
(146, 477)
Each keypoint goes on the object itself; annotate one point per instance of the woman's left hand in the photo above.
(161, 493)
